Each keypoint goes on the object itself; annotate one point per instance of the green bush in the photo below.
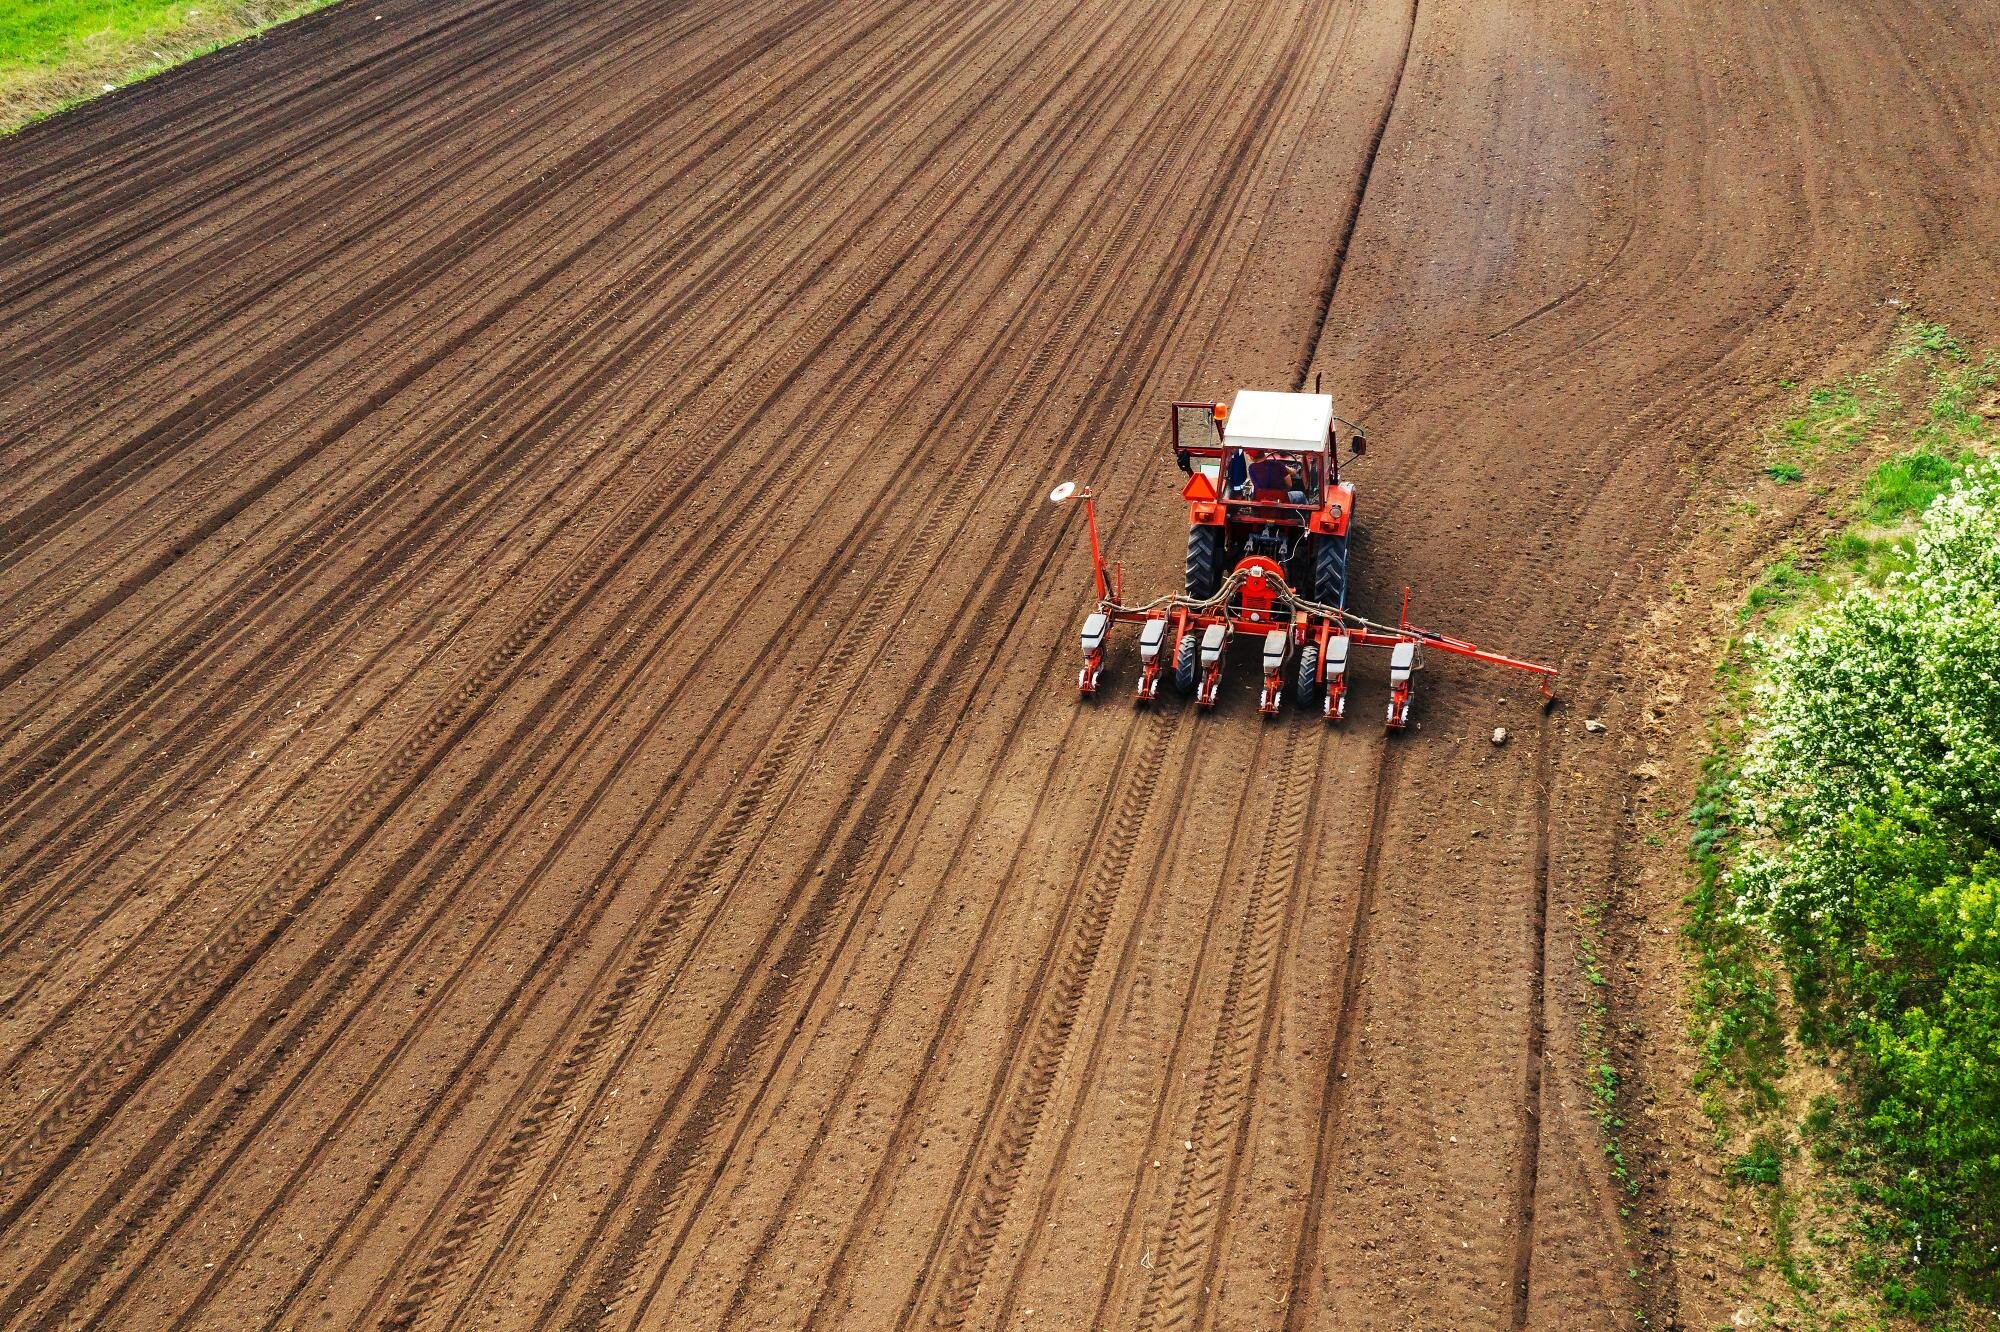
(1868, 805)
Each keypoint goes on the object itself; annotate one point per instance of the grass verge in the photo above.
(57, 53)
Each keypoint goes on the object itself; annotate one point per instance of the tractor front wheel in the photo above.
(1187, 663)
(1308, 691)
(1204, 561)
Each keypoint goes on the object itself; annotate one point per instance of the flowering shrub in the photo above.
(1868, 807)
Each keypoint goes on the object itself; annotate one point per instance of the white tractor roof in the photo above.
(1286, 422)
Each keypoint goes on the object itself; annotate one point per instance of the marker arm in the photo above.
(1096, 554)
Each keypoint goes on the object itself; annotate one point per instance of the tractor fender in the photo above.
(1338, 514)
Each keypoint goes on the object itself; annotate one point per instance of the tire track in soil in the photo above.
(842, 673)
(979, 1233)
(1144, 1089)
(1032, 1071)
(787, 1206)
(1192, 1240)
(663, 1197)
(906, 1117)
(1004, 1315)
(643, 821)
(159, 764)
(1039, 368)
(1091, 1069)
(1006, 1158)
(1007, 1161)
(951, 1008)
(158, 440)
(1528, 1168)
(1333, 1098)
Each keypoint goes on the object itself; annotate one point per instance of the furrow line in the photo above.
(271, 579)
(211, 629)
(766, 1240)
(930, 543)
(1305, 1257)
(1527, 1168)
(1190, 1242)
(787, 1205)
(461, 693)
(680, 1174)
(609, 1022)
(89, 221)
(409, 177)
(156, 442)
(725, 527)
(1032, 1080)
(1030, 1084)
(1333, 1098)
(270, 86)
(529, 370)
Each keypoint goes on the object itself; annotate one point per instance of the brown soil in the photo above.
(540, 780)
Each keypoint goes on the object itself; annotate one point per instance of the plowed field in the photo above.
(541, 783)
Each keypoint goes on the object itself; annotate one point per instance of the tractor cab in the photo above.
(1264, 483)
(1266, 447)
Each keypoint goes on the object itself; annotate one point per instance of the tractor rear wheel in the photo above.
(1187, 663)
(1308, 691)
(1330, 569)
(1204, 561)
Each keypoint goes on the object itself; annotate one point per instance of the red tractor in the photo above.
(1269, 525)
(1264, 479)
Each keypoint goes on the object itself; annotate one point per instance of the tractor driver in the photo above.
(1275, 472)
